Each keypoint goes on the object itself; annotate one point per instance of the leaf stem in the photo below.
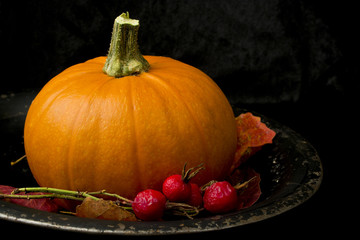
(66, 194)
(127, 201)
(59, 192)
(103, 192)
(14, 196)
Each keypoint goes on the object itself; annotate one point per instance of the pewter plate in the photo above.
(290, 169)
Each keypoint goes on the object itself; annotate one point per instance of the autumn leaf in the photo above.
(250, 191)
(103, 209)
(44, 204)
(252, 135)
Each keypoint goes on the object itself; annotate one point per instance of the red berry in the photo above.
(220, 197)
(196, 198)
(149, 205)
(175, 189)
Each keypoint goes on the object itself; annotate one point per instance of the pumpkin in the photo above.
(126, 122)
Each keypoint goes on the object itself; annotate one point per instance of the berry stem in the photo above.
(206, 185)
(244, 184)
(182, 209)
(186, 176)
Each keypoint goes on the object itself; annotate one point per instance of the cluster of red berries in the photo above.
(219, 197)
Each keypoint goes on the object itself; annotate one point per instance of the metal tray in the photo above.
(291, 172)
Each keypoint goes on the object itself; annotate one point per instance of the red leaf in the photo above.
(44, 204)
(251, 193)
(252, 135)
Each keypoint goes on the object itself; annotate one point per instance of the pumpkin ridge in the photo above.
(173, 67)
(135, 139)
(70, 151)
(40, 115)
(105, 80)
(175, 93)
(49, 88)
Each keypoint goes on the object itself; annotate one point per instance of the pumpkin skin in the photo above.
(88, 131)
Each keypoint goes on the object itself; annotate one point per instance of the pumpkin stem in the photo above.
(124, 57)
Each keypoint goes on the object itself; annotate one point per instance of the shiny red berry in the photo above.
(176, 189)
(196, 199)
(220, 197)
(149, 205)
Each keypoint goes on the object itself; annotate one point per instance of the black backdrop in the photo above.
(273, 51)
(295, 61)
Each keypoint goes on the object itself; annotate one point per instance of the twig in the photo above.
(118, 197)
(244, 184)
(17, 161)
(35, 196)
(182, 209)
(60, 192)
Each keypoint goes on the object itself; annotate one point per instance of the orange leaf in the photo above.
(103, 209)
(252, 135)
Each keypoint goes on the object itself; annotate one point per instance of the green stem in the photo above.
(125, 200)
(2, 196)
(124, 57)
(60, 192)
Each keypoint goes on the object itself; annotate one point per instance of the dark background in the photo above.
(294, 61)
(273, 50)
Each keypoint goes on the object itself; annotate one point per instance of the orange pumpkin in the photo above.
(88, 131)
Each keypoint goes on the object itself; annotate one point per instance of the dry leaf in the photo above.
(103, 209)
(252, 135)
